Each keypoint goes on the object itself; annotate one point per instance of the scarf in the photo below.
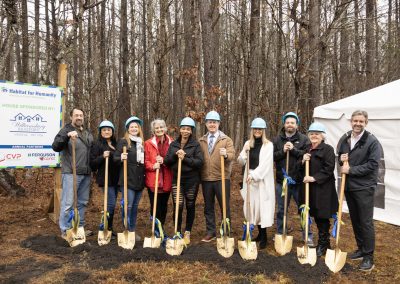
(139, 148)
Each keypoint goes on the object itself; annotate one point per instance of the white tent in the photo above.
(383, 107)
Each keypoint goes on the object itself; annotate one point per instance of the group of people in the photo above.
(358, 152)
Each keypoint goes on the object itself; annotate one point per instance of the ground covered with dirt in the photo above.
(32, 250)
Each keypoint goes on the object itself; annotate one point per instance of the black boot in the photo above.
(263, 237)
(323, 244)
(258, 238)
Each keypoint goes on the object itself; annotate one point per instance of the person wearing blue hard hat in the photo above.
(74, 132)
(102, 148)
(360, 154)
(215, 144)
(258, 153)
(289, 144)
(323, 199)
(155, 151)
(133, 140)
(187, 149)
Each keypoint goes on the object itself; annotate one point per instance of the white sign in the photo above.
(30, 118)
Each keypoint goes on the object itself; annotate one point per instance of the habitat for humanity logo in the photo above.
(43, 156)
(28, 123)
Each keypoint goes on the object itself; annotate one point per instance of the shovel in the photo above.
(126, 239)
(225, 244)
(283, 243)
(104, 236)
(306, 254)
(247, 248)
(175, 245)
(336, 259)
(153, 242)
(75, 235)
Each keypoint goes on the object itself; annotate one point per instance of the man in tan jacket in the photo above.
(215, 144)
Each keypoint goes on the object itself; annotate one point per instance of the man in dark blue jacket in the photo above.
(362, 152)
(292, 141)
(63, 143)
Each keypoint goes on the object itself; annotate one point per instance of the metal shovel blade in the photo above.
(104, 237)
(283, 244)
(225, 246)
(76, 236)
(248, 251)
(174, 246)
(307, 255)
(152, 242)
(126, 239)
(335, 259)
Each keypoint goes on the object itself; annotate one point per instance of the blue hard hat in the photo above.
(258, 123)
(188, 121)
(106, 123)
(317, 127)
(213, 115)
(290, 114)
(133, 119)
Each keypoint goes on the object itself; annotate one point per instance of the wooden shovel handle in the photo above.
(178, 191)
(74, 175)
(125, 162)
(153, 224)
(339, 217)
(285, 197)
(248, 211)
(105, 194)
(307, 201)
(223, 193)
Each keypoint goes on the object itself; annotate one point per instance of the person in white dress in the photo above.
(260, 178)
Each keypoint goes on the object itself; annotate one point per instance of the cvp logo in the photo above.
(10, 156)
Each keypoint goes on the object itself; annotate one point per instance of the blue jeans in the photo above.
(112, 194)
(134, 197)
(293, 190)
(67, 199)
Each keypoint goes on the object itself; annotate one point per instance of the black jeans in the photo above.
(188, 194)
(162, 205)
(212, 189)
(361, 209)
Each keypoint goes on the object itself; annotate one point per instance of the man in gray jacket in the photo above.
(362, 151)
(63, 143)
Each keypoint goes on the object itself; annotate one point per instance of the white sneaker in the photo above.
(186, 237)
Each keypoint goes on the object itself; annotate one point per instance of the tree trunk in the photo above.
(370, 44)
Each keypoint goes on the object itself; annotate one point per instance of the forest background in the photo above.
(172, 58)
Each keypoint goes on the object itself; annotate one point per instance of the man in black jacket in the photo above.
(63, 143)
(362, 152)
(292, 141)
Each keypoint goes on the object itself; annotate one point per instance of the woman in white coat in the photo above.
(260, 178)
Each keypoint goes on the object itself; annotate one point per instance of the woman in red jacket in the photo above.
(155, 149)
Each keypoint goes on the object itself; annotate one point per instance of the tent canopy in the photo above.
(382, 102)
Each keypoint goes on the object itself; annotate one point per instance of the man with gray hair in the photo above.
(359, 154)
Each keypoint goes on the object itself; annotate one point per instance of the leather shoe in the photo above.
(367, 264)
(208, 239)
(356, 255)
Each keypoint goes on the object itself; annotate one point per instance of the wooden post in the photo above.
(54, 205)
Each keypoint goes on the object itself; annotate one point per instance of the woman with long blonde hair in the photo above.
(258, 153)
(133, 140)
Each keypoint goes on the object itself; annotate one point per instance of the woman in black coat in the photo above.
(101, 149)
(186, 148)
(133, 140)
(323, 199)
